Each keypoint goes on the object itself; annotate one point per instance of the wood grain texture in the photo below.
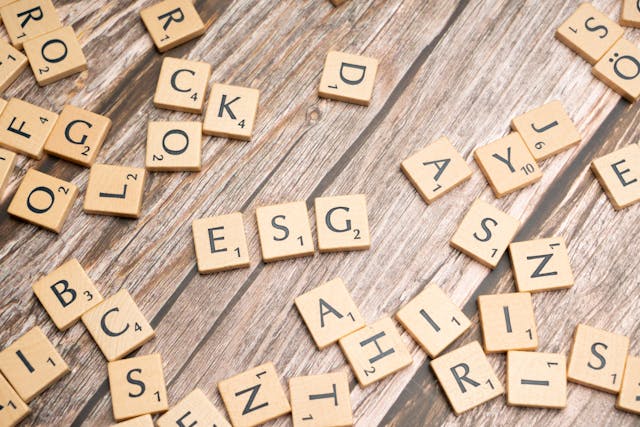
(462, 69)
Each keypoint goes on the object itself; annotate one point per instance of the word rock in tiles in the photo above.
(321, 400)
(141, 421)
(115, 190)
(26, 19)
(43, 200)
(182, 85)
(284, 231)
(137, 386)
(329, 313)
(31, 364)
(221, 243)
(118, 326)
(7, 163)
(629, 397)
(541, 265)
(12, 407)
(433, 320)
(597, 358)
(254, 396)
(231, 112)
(24, 127)
(342, 223)
(174, 146)
(348, 78)
(195, 409)
(508, 322)
(12, 63)
(467, 378)
(630, 13)
(436, 169)
(619, 68)
(375, 351)
(485, 233)
(172, 22)
(537, 380)
(619, 174)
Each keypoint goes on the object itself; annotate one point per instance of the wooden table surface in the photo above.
(461, 69)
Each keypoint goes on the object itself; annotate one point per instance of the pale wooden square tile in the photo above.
(342, 223)
(329, 312)
(67, 293)
(629, 397)
(507, 164)
(7, 164)
(141, 421)
(115, 190)
(484, 233)
(3, 3)
(12, 63)
(182, 85)
(27, 19)
(194, 410)
(508, 322)
(321, 400)
(433, 320)
(24, 127)
(467, 378)
(436, 169)
(137, 386)
(284, 231)
(619, 174)
(541, 265)
(231, 112)
(221, 243)
(348, 78)
(375, 351)
(254, 396)
(3, 104)
(597, 358)
(43, 200)
(537, 380)
(31, 364)
(172, 22)
(619, 69)
(12, 407)
(174, 146)
(630, 13)
(118, 326)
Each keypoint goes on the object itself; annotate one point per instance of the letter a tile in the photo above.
(24, 127)
(619, 175)
(194, 410)
(541, 265)
(537, 380)
(221, 243)
(284, 231)
(342, 223)
(619, 68)
(629, 397)
(231, 112)
(172, 22)
(508, 322)
(321, 400)
(12, 407)
(348, 78)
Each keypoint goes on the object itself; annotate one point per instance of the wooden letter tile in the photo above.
(24, 127)
(619, 175)
(629, 397)
(12, 63)
(630, 13)
(194, 410)
(375, 351)
(118, 326)
(433, 320)
(348, 78)
(508, 322)
(321, 400)
(342, 223)
(329, 313)
(467, 378)
(137, 386)
(254, 396)
(484, 233)
(115, 190)
(26, 19)
(619, 68)
(141, 421)
(3, 104)
(182, 85)
(31, 364)
(231, 112)
(172, 22)
(597, 358)
(43, 200)
(537, 380)
(7, 163)
(12, 407)
(541, 265)
(174, 146)
(221, 243)
(284, 231)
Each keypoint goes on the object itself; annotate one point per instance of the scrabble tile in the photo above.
(137, 386)
(172, 22)
(433, 320)
(182, 85)
(546, 130)
(284, 231)
(67, 293)
(254, 396)
(375, 351)
(541, 265)
(467, 378)
(43, 200)
(3, 104)
(194, 409)
(329, 313)
(12, 407)
(12, 63)
(508, 322)
(118, 326)
(630, 13)
(221, 243)
(589, 32)
(321, 400)
(507, 164)
(597, 358)
(629, 397)
(537, 380)
(31, 364)
(436, 169)
(231, 112)
(348, 78)
(27, 19)
(24, 127)
(619, 175)
(484, 233)
(174, 146)
(115, 190)
(342, 223)
(7, 164)
(141, 421)
(3, 3)
(619, 68)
